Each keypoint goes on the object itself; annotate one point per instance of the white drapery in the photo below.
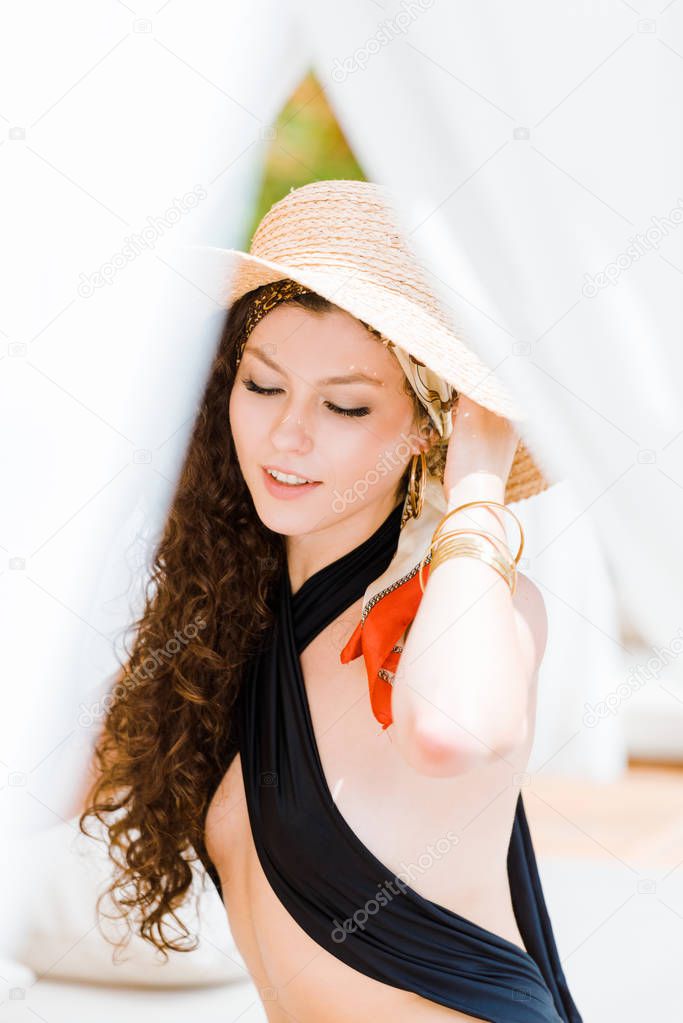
(536, 152)
(527, 147)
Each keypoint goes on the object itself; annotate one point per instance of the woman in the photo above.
(340, 534)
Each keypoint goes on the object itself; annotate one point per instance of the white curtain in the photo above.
(536, 152)
(139, 130)
(527, 145)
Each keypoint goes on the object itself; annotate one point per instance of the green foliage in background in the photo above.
(308, 146)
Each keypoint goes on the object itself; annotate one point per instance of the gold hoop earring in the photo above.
(416, 494)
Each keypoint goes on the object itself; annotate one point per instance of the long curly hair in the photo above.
(208, 602)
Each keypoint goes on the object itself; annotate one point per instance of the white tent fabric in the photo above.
(527, 145)
(137, 129)
(536, 151)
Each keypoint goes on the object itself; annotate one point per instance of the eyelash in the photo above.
(353, 412)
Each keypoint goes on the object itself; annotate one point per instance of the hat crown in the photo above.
(347, 227)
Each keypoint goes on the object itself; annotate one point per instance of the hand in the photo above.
(481, 443)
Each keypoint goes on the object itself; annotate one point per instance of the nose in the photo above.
(290, 434)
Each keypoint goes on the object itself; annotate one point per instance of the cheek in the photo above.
(377, 452)
(246, 424)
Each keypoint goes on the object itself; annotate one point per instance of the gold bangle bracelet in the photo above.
(495, 504)
(475, 545)
(468, 531)
(446, 542)
(492, 538)
(461, 547)
(502, 572)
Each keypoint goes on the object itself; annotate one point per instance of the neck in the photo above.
(307, 554)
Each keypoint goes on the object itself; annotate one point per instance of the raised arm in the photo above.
(460, 694)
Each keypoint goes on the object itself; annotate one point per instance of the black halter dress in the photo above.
(328, 880)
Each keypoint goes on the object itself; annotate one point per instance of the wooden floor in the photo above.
(638, 819)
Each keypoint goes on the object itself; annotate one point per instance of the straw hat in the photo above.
(342, 240)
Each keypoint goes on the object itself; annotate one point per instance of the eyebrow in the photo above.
(349, 378)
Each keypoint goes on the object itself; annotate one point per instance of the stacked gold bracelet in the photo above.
(475, 543)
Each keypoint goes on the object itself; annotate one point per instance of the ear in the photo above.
(429, 435)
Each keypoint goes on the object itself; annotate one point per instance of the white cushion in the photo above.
(60, 932)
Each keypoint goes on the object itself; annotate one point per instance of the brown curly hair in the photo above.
(160, 753)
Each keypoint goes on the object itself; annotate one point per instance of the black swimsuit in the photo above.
(342, 896)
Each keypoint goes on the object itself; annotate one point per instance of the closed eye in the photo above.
(252, 386)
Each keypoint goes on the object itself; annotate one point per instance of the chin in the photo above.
(291, 518)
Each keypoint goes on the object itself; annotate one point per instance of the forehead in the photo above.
(333, 341)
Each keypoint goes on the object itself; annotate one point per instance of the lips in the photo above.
(289, 472)
(286, 491)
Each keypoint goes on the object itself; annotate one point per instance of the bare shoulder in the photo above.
(532, 621)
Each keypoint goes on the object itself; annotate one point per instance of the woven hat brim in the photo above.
(230, 273)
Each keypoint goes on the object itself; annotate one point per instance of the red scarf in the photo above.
(376, 638)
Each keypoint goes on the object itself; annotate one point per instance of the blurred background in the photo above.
(244, 104)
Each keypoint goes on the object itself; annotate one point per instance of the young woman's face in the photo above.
(354, 438)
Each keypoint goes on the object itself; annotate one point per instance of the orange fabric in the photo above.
(384, 624)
